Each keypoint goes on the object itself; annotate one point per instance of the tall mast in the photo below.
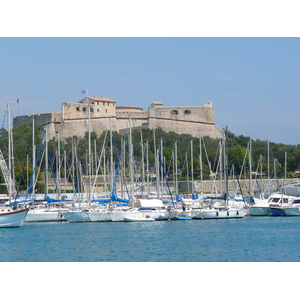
(269, 185)
(131, 163)
(33, 158)
(176, 170)
(58, 167)
(89, 154)
(46, 161)
(192, 166)
(111, 157)
(9, 152)
(143, 166)
(201, 170)
(250, 164)
(147, 159)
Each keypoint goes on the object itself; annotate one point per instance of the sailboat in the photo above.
(221, 209)
(12, 215)
(85, 212)
(138, 208)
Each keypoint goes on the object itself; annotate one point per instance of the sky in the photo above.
(252, 80)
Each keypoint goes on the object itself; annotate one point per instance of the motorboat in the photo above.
(270, 206)
(292, 209)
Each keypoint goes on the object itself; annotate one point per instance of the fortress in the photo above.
(73, 119)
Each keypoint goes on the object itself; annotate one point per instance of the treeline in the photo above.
(74, 154)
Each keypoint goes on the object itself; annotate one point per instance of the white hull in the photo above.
(119, 215)
(180, 213)
(14, 218)
(220, 214)
(99, 215)
(76, 216)
(39, 215)
(139, 219)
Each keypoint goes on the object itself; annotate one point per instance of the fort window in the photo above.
(174, 112)
(77, 108)
(84, 109)
(106, 110)
(103, 103)
(97, 109)
(91, 109)
(187, 112)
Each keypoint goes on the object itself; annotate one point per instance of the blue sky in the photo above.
(253, 83)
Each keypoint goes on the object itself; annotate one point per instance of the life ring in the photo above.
(169, 207)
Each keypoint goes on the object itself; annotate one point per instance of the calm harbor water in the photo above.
(251, 239)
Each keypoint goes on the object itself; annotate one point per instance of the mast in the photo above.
(269, 185)
(58, 167)
(111, 158)
(147, 159)
(9, 153)
(176, 170)
(250, 164)
(33, 158)
(156, 165)
(46, 162)
(143, 166)
(131, 163)
(89, 153)
(192, 166)
(225, 165)
(200, 160)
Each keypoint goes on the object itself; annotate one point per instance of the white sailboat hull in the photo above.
(13, 219)
(119, 216)
(38, 215)
(76, 216)
(220, 214)
(139, 219)
(99, 216)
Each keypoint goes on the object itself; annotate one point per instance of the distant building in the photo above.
(73, 118)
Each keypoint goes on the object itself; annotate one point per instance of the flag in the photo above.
(84, 91)
(18, 100)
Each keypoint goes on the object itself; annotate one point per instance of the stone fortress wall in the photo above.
(73, 119)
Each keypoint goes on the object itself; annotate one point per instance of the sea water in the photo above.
(251, 239)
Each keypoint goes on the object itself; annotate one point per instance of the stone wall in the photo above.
(73, 120)
(52, 120)
(186, 119)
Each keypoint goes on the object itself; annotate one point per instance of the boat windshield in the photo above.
(275, 200)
